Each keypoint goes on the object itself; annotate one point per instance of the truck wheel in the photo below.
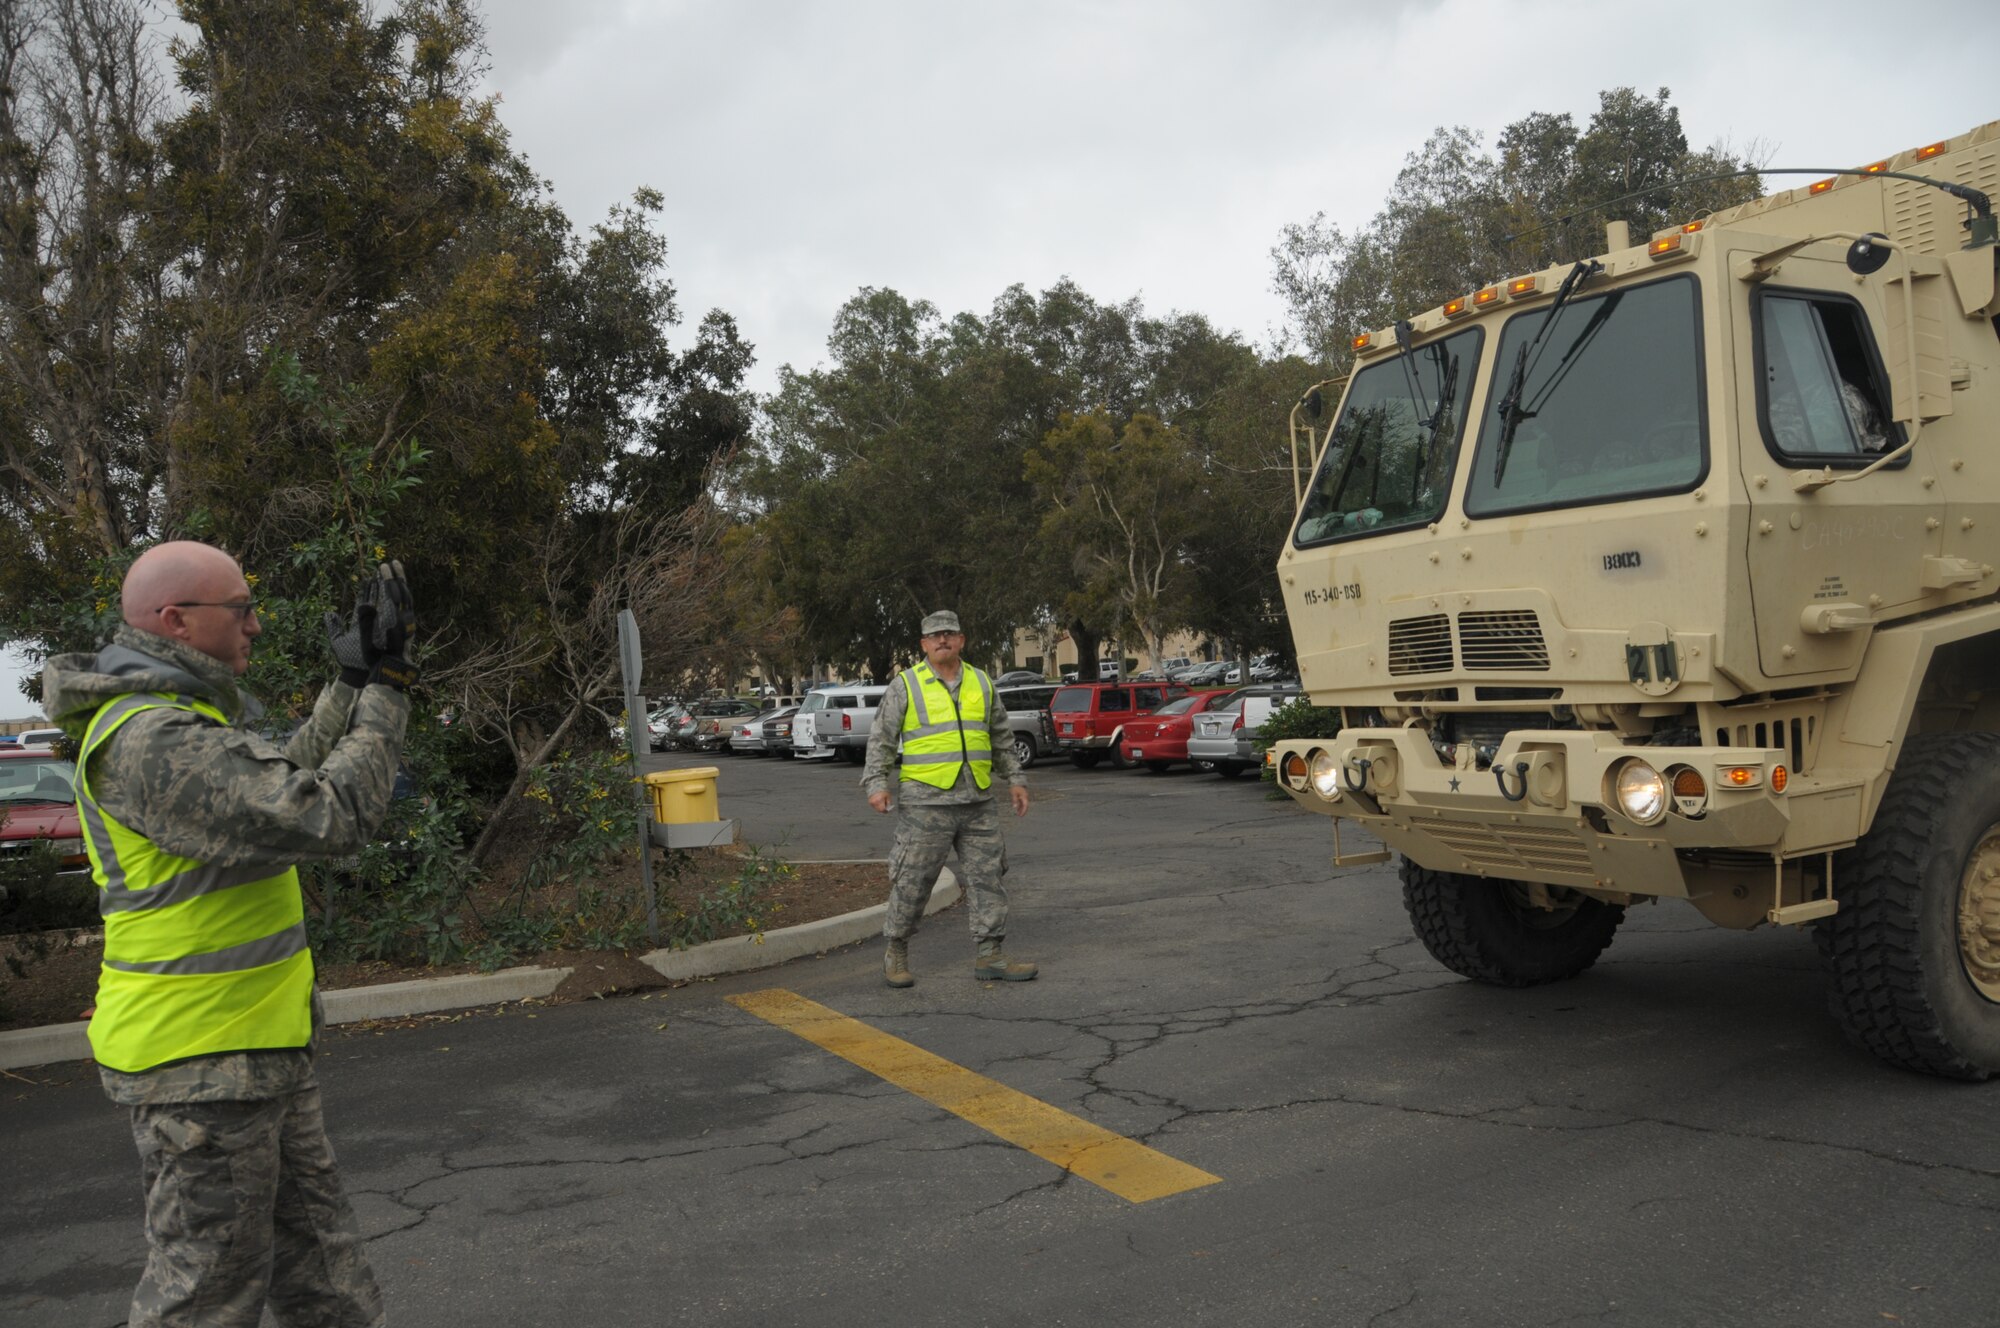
(1913, 955)
(1486, 930)
(1024, 750)
(1085, 760)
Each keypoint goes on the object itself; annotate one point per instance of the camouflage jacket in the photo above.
(879, 773)
(223, 795)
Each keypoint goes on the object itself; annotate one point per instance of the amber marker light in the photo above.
(1691, 227)
(1740, 776)
(1293, 771)
(1666, 246)
(1779, 778)
(1934, 150)
(1819, 186)
(1875, 169)
(1456, 308)
(1491, 295)
(1364, 341)
(1689, 784)
(1520, 286)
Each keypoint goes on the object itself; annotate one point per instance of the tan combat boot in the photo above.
(896, 965)
(992, 964)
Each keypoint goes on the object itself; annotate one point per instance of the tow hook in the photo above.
(1353, 785)
(1520, 774)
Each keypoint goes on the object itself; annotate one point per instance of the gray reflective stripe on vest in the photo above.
(232, 959)
(943, 758)
(932, 730)
(916, 689)
(201, 880)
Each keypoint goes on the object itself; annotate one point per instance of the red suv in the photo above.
(1090, 717)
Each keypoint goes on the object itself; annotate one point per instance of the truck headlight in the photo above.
(1641, 791)
(1324, 773)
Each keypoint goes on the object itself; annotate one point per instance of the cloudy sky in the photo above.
(949, 150)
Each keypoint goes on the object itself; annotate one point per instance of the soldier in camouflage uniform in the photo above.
(945, 797)
(194, 824)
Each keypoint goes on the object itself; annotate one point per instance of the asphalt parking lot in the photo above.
(1678, 1137)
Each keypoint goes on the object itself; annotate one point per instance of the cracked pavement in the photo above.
(1678, 1137)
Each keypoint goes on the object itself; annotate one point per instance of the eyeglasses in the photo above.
(242, 608)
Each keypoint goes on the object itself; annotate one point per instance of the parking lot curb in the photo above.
(740, 954)
(24, 1047)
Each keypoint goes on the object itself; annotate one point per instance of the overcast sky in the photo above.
(949, 150)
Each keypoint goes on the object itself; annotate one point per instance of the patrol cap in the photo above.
(944, 620)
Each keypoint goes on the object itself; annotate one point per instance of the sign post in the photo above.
(639, 736)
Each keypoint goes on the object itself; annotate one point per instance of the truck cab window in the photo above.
(1390, 460)
(1610, 406)
(1821, 393)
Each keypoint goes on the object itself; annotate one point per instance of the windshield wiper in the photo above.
(1510, 410)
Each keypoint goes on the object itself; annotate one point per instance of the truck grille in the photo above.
(1502, 640)
(1420, 645)
(1511, 850)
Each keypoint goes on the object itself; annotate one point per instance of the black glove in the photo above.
(372, 646)
(352, 637)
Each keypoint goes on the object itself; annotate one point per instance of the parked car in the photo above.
(1205, 675)
(39, 737)
(1225, 735)
(38, 795)
(713, 721)
(1159, 740)
(659, 725)
(1028, 720)
(763, 733)
(836, 719)
(1017, 676)
(1090, 716)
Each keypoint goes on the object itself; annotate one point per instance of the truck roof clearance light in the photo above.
(1821, 186)
(1934, 150)
(1522, 287)
(1363, 342)
(1691, 227)
(1674, 244)
(1456, 308)
(1875, 168)
(1486, 298)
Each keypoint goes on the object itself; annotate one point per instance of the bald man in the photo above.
(206, 1011)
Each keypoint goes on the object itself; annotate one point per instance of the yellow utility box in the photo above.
(682, 797)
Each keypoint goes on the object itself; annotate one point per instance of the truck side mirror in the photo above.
(1867, 255)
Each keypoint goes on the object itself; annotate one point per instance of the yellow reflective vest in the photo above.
(939, 736)
(198, 960)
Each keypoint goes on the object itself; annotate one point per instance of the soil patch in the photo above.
(60, 979)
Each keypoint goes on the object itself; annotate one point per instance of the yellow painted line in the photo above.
(1129, 1170)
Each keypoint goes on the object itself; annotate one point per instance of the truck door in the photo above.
(1813, 396)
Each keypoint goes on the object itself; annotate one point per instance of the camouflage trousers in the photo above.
(926, 834)
(243, 1206)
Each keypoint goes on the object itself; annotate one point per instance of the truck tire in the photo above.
(1478, 928)
(1024, 750)
(1913, 955)
(1086, 760)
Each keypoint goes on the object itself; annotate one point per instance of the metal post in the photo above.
(639, 737)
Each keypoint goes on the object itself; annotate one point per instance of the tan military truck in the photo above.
(1671, 574)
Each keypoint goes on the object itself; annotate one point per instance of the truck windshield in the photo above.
(1610, 406)
(1389, 462)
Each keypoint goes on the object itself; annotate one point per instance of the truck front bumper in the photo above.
(1547, 809)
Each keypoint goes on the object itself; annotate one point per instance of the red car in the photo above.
(1160, 739)
(38, 801)
(1090, 717)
